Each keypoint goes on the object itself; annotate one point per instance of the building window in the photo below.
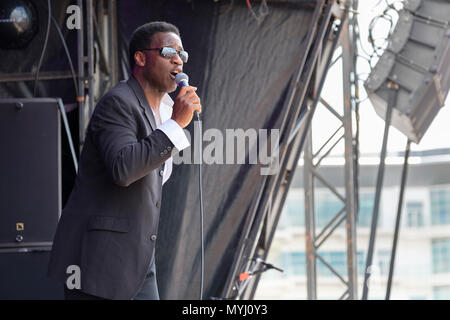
(366, 201)
(327, 205)
(441, 255)
(293, 211)
(418, 298)
(384, 260)
(361, 263)
(441, 293)
(414, 214)
(440, 206)
(337, 259)
(293, 263)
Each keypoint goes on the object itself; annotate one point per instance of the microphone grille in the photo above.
(181, 77)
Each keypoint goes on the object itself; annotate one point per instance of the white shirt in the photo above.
(172, 130)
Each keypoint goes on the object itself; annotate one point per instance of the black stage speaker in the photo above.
(23, 275)
(30, 196)
(30, 171)
(417, 59)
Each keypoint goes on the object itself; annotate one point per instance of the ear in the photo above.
(139, 58)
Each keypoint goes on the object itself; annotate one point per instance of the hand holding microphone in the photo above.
(186, 102)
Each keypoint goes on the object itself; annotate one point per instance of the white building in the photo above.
(422, 268)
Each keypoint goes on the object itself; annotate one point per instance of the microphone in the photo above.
(267, 265)
(182, 80)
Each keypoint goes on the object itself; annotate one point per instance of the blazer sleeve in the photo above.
(114, 132)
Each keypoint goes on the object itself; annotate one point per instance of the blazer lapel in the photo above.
(136, 87)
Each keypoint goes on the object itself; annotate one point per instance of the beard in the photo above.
(161, 81)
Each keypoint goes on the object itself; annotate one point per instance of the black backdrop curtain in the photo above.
(242, 69)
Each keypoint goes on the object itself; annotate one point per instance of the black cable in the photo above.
(377, 50)
(44, 48)
(66, 49)
(200, 189)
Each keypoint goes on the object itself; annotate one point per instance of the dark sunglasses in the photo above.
(169, 53)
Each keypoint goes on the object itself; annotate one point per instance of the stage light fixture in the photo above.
(18, 23)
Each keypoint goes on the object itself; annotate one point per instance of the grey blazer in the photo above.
(109, 224)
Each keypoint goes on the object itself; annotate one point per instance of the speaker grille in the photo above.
(30, 170)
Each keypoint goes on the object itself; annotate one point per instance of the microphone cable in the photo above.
(49, 22)
(182, 79)
(200, 189)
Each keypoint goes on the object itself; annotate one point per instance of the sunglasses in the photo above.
(170, 53)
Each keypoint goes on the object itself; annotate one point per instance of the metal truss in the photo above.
(348, 212)
(259, 232)
(98, 32)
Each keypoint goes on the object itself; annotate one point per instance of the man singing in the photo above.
(109, 225)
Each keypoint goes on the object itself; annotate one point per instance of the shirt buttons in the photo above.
(161, 173)
(153, 237)
(158, 204)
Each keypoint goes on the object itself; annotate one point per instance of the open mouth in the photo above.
(174, 73)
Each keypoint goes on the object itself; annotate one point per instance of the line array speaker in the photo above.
(417, 58)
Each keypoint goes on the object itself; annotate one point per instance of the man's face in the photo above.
(160, 71)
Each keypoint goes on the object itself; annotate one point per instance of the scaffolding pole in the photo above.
(392, 99)
(349, 71)
(310, 228)
(296, 141)
(398, 219)
(80, 62)
(313, 243)
(273, 185)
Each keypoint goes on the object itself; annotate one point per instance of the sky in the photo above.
(371, 125)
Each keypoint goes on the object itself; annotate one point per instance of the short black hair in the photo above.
(142, 36)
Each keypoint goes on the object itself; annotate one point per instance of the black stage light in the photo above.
(18, 23)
